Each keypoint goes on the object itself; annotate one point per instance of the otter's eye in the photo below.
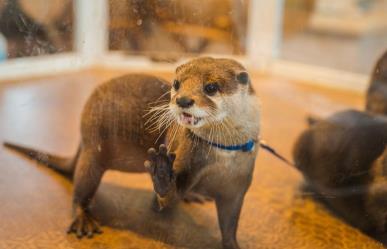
(211, 89)
(176, 85)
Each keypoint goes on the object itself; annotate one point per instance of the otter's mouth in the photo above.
(188, 119)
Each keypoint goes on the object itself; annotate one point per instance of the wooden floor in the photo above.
(35, 203)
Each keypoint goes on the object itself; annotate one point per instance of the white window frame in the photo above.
(263, 49)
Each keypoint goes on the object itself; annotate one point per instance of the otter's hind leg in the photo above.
(87, 177)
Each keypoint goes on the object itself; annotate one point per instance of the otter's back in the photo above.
(115, 111)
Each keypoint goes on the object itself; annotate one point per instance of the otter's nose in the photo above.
(184, 102)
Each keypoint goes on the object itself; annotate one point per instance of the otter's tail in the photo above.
(60, 164)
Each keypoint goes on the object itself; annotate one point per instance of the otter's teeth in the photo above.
(189, 119)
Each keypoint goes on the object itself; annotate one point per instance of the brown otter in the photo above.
(377, 91)
(343, 159)
(211, 119)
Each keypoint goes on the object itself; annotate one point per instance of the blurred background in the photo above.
(305, 57)
(280, 36)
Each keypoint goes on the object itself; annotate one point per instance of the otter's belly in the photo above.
(230, 172)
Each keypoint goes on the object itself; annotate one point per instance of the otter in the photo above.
(205, 128)
(377, 92)
(344, 161)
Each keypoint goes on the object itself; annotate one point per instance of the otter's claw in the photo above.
(159, 165)
(84, 225)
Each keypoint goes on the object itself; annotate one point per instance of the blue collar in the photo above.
(247, 147)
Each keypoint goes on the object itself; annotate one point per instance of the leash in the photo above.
(268, 148)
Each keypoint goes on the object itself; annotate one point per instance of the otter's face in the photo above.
(205, 90)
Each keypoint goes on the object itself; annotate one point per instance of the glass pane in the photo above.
(190, 26)
(35, 27)
(347, 34)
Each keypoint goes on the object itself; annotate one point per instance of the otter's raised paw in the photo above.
(192, 197)
(84, 225)
(159, 165)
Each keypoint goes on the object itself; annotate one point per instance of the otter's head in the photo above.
(208, 90)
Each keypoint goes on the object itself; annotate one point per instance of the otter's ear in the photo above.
(181, 67)
(381, 66)
(243, 77)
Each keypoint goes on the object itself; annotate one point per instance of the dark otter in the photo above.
(343, 159)
(211, 119)
(377, 91)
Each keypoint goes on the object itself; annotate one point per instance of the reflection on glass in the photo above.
(213, 26)
(36, 27)
(348, 34)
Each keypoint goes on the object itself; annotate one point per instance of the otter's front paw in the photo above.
(159, 165)
(84, 225)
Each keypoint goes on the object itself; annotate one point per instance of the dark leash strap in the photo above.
(272, 151)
